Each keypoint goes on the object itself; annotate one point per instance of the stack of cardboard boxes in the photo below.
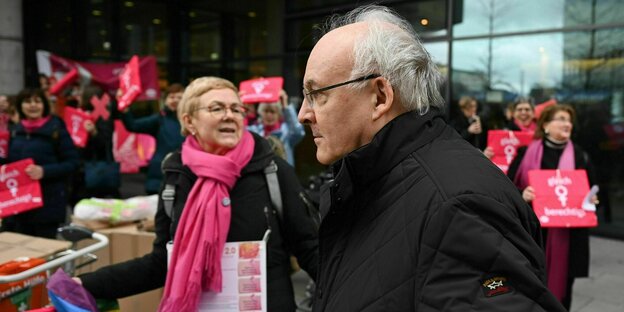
(126, 242)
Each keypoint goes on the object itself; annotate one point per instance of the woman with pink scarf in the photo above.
(567, 250)
(523, 115)
(221, 195)
(43, 137)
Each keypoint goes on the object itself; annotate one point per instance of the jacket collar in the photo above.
(393, 143)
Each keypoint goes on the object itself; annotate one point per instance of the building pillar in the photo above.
(11, 47)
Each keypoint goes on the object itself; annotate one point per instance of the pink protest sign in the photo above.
(261, 90)
(505, 145)
(559, 196)
(130, 83)
(74, 121)
(18, 192)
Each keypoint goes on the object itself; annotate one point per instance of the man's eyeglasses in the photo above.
(309, 95)
(218, 111)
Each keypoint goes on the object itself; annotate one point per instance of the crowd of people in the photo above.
(407, 225)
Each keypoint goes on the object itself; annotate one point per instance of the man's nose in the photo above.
(306, 114)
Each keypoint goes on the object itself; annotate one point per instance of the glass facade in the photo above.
(495, 50)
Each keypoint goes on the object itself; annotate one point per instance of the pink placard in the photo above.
(505, 145)
(559, 196)
(18, 192)
(130, 83)
(261, 90)
(74, 121)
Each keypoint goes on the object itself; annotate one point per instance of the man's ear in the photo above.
(384, 96)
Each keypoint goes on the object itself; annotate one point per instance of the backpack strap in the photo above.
(270, 173)
(168, 196)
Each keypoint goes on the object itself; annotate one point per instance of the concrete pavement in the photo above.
(603, 290)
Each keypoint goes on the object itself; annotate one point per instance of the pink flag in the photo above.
(105, 75)
(70, 77)
(74, 121)
(539, 108)
(125, 149)
(129, 83)
(18, 192)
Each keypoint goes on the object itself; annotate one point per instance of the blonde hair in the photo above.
(192, 93)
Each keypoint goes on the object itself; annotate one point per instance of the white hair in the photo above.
(264, 105)
(392, 49)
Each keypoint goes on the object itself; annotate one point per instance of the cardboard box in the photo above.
(14, 245)
(126, 243)
(30, 292)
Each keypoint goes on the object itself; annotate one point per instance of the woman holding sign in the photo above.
(523, 115)
(43, 138)
(280, 120)
(567, 249)
(216, 190)
(164, 127)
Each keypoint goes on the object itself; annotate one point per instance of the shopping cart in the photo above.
(70, 260)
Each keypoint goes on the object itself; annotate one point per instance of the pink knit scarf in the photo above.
(201, 233)
(531, 127)
(31, 125)
(558, 239)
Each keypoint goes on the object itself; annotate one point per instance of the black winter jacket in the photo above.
(419, 220)
(250, 195)
(50, 147)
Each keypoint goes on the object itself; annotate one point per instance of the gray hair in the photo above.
(276, 105)
(395, 54)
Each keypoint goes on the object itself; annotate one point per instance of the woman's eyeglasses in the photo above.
(218, 111)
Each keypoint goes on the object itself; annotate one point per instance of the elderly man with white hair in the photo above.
(416, 219)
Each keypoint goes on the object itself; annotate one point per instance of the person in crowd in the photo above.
(163, 126)
(280, 120)
(468, 123)
(8, 115)
(416, 219)
(219, 182)
(99, 145)
(567, 250)
(522, 119)
(44, 138)
(523, 115)
(509, 111)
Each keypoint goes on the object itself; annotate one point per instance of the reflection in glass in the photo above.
(427, 17)
(486, 17)
(582, 69)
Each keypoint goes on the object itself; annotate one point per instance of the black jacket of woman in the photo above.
(295, 234)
